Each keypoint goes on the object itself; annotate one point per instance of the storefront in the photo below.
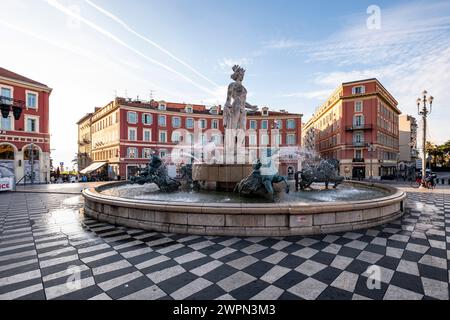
(97, 171)
(388, 171)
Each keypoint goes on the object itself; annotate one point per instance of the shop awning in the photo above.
(93, 167)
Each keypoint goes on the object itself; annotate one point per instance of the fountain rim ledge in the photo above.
(306, 207)
(245, 219)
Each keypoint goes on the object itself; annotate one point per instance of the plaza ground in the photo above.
(45, 240)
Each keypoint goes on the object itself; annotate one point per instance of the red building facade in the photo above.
(24, 143)
(359, 126)
(125, 133)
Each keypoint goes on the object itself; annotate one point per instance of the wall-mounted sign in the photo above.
(6, 184)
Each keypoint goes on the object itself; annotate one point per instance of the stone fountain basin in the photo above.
(246, 219)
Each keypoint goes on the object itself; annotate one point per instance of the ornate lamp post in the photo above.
(427, 107)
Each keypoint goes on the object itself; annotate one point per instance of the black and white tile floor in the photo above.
(48, 250)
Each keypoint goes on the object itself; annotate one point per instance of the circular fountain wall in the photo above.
(354, 205)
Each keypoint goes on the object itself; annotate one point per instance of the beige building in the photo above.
(84, 156)
(407, 142)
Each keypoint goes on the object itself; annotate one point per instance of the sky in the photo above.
(295, 53)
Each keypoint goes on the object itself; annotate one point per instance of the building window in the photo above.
(253, 124)
(6, 124)
(162, 153)
(32, 125)
(358, 154)
(132, 134)
(132, 117)
(359, 90)
(277, 139)
(176, 137)
(213, 110)
(265, 112)
(162, 121)
(217, 139)
(162, 107)
(132, 153)
(146, 153)
(32, 101)
(190, 138)
(264, 124)
(147, 119)
(147, 135)
(264, 139)
(7, 93)
(202, 124)
(189, 109)
(215, 124)
(358, 137)
(252, 140)
(162, 136)
(291, 124)
(279, 124)
(291, 139)
(358, 106)
(358, 121)
(189, 123)
(176, 122)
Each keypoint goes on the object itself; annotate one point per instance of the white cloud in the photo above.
(318, 94)
(227, 63)
(410, 53)
(55, 4)
(146, 39)
(282, 44)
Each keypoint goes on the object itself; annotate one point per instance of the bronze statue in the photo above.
(156, 172)
(260, 181)
(326, 171)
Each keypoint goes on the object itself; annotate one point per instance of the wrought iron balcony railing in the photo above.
(359, 127)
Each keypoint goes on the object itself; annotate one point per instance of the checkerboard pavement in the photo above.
(49, 250)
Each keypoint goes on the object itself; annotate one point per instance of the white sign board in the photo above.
(6, 184)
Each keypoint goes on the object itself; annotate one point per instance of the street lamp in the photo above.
(426, 101)
(7, 104)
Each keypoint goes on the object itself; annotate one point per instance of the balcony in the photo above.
(359, 127)
(359, 144)
(356, 160)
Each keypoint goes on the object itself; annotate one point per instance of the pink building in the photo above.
(122, 135)
(359, 126)
(25, 142)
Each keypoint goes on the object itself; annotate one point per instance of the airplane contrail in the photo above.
(99, 29)
(83, 53)
(131, 30)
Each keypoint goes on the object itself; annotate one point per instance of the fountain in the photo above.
(238, 198)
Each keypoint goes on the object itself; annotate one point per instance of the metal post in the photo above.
(424, 160)
(424, 113)
(32, 163)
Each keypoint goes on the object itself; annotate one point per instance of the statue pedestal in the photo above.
(220, 177)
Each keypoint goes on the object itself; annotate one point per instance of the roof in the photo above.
(15, 76)
(85, 117)
(196, 108)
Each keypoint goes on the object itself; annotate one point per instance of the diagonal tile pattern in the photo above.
(48, 250)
